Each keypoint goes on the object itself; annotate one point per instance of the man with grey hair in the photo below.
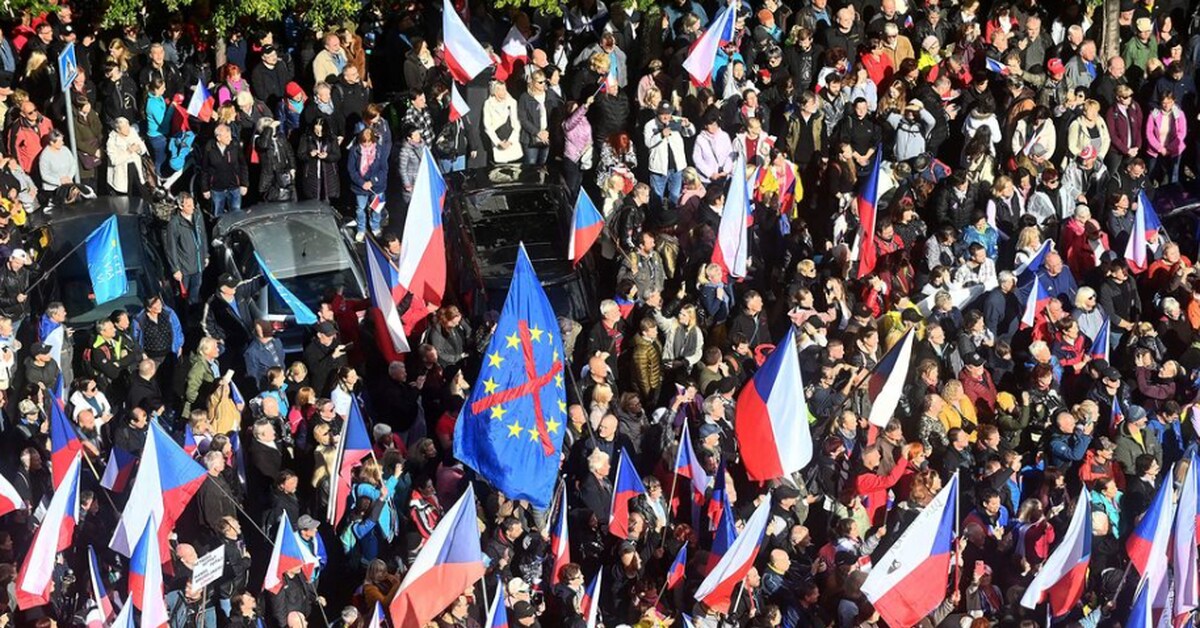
(214, 500)
(224, 175)
(595, 490)
(1001, 308)
(607, 336)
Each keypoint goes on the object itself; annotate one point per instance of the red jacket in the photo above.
(873, 488)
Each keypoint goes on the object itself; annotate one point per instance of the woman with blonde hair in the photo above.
(324, 459)
(682, 338)
(125, 149)
(1089, 130)
(119, 53)
(373, 485)
(1029, 240)
(958, 412)
(602, 396)
(379, 587)
(501, 124)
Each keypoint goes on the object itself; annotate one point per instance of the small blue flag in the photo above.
(511, 428)
(106, 263)
(304, 315)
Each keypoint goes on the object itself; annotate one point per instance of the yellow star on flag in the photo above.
(490, 386)
(562, 407)
(536, 333)
(533, 434)
(558, 380)
(498, 412)
(552, 426)
(514, 429)
(494, 359)
(514, 341)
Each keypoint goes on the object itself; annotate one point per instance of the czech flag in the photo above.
(103, 610)
(458, 106)
(201, 104)
(1035, 304)
(560, 542)
(688, 465)
(678, 568)
(627, 486)
(376, 616)
(1153, 224)
(354, 445)
(724, 537)
(167, 478)
(146, 578)
(772, 426)
(189, 441)
(1150, 544)
(54, 335)
(389, 329)
(118, 470)
(288, 554)
(1026, 271)
(1115, 418)
(717, 589)
(995, 66)
(465, 58)
(886, 384)
(449, 563)
(733, 239)
(590, 604)
(1062, 577)
(1184, 543)
(910, 580)
(715, 509)
(868, 204)
(10, 499)
(422, 266)
(1100, 346)
(124, 618)
(514, 51)
(702, 58)
(1141, 615)
(64, 442)
(586, 225)
(498, 614)
(55, 534)
(1135, 249)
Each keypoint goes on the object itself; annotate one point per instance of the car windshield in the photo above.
(502, 218)
(309, 257)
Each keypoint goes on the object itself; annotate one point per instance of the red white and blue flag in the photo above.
(1141, 614)
(377, 202)
(103, 611)
(1116, 417)
(702, 58)
(724, 536)
(586, 225)
(678, 568)
(189, 441)
(886, 383)
(353, 447)
(1035, 304)
(64, 442)
(1145, 223)
(560, 542)
(449, 563)
(10, 499)
(995, 66)
(422, 266)
(909, 582)
(1061, 580)
(733, 236)
(465, 58)
(498, 613)
(716, 591)
(201, 103)
(688, 465)
(1026, 271)
(1153, 224)
(167, 478)
(514, 51)
(772, 426)
(287, 554)
(146, 578)
(118, 470)
(458, 105)
(376, 616)
(54, 535)
(1101, 344)
(714, 510)
(626, 486)
(1185, 540)
(589, 606)
(1149, 546)
(868, 206)
(383, 285)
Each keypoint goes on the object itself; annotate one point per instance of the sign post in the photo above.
(68, 69)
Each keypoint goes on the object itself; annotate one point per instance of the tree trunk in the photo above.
(1110, 42)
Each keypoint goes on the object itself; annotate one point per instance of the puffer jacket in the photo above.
(13, 283)
(647, 366)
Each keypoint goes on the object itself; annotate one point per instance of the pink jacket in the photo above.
(1173, 147)
(578, 134)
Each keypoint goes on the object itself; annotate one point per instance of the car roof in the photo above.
(99, 206)
(270, 211)
(503, 176)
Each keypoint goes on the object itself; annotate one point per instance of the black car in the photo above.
(58, 238)
(306, 247)
(488, 214)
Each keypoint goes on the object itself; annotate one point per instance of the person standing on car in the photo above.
(224, 175)
(229, 316)
(186, 246)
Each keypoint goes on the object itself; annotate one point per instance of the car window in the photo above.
(504, 218)
(309, 256)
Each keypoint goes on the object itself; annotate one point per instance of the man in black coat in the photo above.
(118, 97)
(269, 79)
(595, 490)
(1002, 308)
(14, 282)
(295, 598)
(224, 175)
(213, 501)
(264, 462)
(230, 315)
(323, 357)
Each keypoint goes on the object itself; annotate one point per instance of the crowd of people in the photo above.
(989, 129)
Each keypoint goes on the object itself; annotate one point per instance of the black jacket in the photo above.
(13, 283)
(223, 170)
(529, 115)
(270, 84)
(322, 366)
(118, 99)
(235, 328)
(185, 243)
(319, 176)
(294, 596)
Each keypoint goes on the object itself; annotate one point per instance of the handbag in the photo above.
(89, 161)
(505, 131)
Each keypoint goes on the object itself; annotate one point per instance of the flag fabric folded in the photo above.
(10, 499)
(352, 448)
(465, 58)
(54, 535)
(1100, 345)
(458, 106)
(626, 486)
(702, 58)
(678, 568)
(586, 226)
(103, 604)
(731, 250)
(869, 199)
(1035, 304)
(106, 262)
(146, 578)
(1185, 541)
(716, 591)
(560, 544)
(1137, 246)
(64, 443)
(885, 386)
(304, 314)
(689, 466)
(382, 286)
(1149, 546)
(376, 616)
(287, 554)
(590, 604)
(1060, 581)
(772, 416)
(118, 470)
(498, 613)
(201, 103)
(421, 269)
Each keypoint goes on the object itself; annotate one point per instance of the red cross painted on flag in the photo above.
(532, 387)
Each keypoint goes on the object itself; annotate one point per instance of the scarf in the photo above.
(325, 107)
(368, 158)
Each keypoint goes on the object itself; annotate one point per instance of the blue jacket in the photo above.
(1062, 287)
(1066, 450)
(259, 359)
(158, 117)
(718, 310)
(176, 328)
(377, 174)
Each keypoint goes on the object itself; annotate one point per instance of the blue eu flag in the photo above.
(511, 428)
(304, 314)
(106, 263)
